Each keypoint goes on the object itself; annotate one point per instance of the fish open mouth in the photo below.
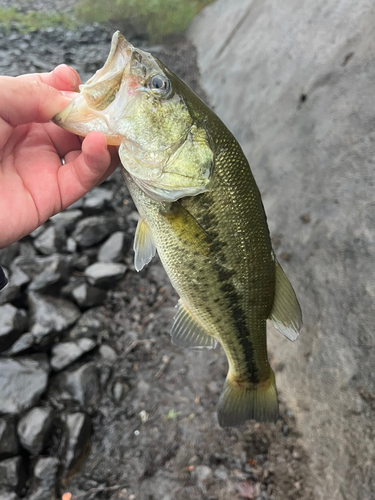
(103, 98)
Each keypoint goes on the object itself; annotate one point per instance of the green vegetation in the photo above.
(155, 18)
(33, 20)
(172, 415)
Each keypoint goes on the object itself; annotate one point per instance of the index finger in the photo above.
(63, 77)
(24, 101)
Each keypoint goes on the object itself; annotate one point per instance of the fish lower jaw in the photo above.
(112, 140)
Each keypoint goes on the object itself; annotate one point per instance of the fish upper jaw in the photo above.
(101, 102)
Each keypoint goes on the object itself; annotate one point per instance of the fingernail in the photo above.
(70, 95)
(75, 77)
(72, 76)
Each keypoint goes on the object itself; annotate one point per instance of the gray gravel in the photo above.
(40, 5)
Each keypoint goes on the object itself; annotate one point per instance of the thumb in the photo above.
(23, 101)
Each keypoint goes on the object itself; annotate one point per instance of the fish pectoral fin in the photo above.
(186, 332)
(286, 315)
(144, 247)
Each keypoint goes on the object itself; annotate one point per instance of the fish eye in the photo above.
(159, 82)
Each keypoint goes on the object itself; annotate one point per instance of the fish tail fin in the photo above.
(240, 402)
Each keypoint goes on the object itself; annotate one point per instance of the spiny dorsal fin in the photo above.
(286, 313)
(186, 332)
(144, 247)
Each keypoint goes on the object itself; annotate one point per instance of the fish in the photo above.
(201, 210)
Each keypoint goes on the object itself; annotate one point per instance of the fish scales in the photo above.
(238, 280)
(201, 209)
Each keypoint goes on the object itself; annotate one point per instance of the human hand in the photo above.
(34, 184)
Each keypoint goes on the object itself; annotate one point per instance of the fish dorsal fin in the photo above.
(186, 332)
(286, 313)
(144, 247)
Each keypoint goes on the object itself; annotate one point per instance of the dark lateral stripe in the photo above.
(239, 319)
(208, 223)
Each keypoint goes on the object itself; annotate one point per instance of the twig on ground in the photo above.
(137, 342)
(163, 367)
(99, 489)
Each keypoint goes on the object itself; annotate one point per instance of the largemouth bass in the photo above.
(201, 210)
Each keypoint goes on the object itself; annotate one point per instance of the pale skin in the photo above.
(34, 184)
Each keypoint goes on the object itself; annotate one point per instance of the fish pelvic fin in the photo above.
(286, 315)
(186, 332)
(144, 246)
(244, 401)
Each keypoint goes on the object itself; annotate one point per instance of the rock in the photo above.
(80, 385)
(76, 205)
(67, 219)
(12, 473)
(42, 493)
(22, 381)
(6, 494)
(119, 389)
(52, 240)
(78, 431)
(25, 341)
(114, 249)
(86, 344)
(9, 293)
(74, 282)
(45, 470)
(71, 245)
(97, 199)
(204, 477)
(13, 322)
(65, 353)
(8, 254)
(93, 230)
(18, 277)
(8, 438)
(4, 277)
(55, 269)
(34, 428)
(50, 315)
(104, 273)
(27, 249)
(44, 271)
(39, 230)
(107, 353)
(294, 81)
(81, 262)
(91, 324)
(88, 296)
(221, 473)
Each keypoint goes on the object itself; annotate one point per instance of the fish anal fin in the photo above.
(241, 402)
(186, 332)
(286, 315)
(144, 247)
